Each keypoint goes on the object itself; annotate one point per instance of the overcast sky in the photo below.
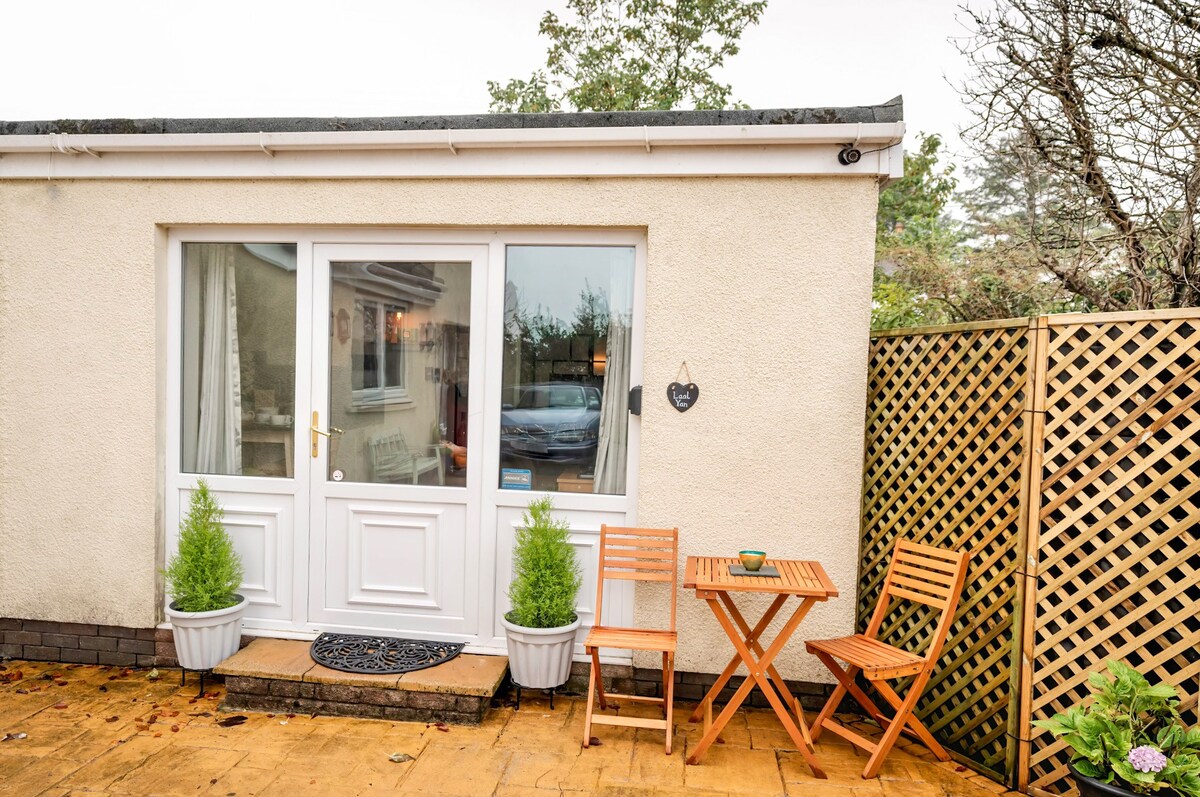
(220, 58)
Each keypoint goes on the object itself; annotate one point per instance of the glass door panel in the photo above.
(399, 346)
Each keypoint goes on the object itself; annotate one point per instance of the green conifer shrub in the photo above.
(546, 575)
(205, 573)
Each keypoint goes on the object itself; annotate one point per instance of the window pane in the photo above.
(239, 358)
(564, 422)
(400, 338)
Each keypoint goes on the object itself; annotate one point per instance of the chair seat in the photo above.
(630, 639)
(878, 660)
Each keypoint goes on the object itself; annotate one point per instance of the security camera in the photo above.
(849, 155)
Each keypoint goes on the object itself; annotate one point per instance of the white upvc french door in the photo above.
(395, 525)
(402, 523)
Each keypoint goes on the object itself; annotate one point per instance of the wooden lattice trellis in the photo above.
(944, 449)
(1117, 533)
(1065, 452)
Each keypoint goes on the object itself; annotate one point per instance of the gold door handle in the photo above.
(318, 433)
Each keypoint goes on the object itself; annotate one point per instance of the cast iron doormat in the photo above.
(381, 655)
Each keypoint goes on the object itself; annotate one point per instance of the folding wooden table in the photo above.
(807, 581)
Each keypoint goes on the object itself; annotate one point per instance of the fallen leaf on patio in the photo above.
(174, 729)
(142, 727)
(270, 716)
(193, 700)
(153, 675)
(8, 737)
(60, 683)
(960, 768)
(399, 758)
(170, 713)
(201, 714)
(103, 688)
(22, 691)
(594, 742)
(11, 677)
(113, 718)
(291, 715)
(158, 734)
(229, 722)
(153, 718)
(283, 722)
(312, 716)
(59, 705)
(441, 726)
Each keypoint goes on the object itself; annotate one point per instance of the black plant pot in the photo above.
(1090, 787)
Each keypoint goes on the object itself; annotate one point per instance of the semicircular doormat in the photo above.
(381, 655)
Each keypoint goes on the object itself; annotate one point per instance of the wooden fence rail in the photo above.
(1064, 451)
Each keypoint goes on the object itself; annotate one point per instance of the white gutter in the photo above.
(872, 134)
(699, 150)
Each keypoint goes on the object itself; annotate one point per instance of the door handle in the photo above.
(318, 433)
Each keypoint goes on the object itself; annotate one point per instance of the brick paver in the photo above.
(111, 731)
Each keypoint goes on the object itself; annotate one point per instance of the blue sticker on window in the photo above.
(516, 479)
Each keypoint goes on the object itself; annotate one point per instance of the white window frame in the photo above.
(387, 395)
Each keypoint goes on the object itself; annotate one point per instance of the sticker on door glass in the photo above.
(516, 479)
(338, 474)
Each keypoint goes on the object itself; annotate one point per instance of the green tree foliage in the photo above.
(546, 576)
(914, 241)
(205, 573)
(632, 55)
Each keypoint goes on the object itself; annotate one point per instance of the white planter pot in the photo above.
(540, 658)
(205, 639)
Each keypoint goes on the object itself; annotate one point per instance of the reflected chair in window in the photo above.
(917, 573)
(628, 554)
(392, 460)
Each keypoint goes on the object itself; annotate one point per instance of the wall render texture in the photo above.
(761, 284)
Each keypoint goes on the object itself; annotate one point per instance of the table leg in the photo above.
(751, 639)
(758, 676)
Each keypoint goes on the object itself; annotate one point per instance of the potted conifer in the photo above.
(541, 625)
(202, 579)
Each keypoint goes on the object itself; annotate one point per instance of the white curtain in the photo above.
(614, 411)
(219, 435)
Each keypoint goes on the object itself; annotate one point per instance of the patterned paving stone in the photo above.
(117, 732)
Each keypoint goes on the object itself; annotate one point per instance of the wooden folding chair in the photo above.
(920, 573)
(633, 555)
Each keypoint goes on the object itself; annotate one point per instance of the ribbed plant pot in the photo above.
(205, 639)
(1090, 787)
(540, 658)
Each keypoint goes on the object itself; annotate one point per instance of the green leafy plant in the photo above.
(1131, 735)
(206, 571)
(546, 576)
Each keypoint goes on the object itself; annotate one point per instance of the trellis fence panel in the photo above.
(1064, 451)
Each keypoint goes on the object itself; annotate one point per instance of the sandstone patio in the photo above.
(106, 730)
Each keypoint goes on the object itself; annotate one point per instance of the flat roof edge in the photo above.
(890, 111)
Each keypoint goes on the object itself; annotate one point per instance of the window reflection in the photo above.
(399, 346)
(564, 417)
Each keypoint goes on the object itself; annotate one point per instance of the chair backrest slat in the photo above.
(923, 574)
(630, 554)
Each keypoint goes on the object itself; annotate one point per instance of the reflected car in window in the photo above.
(556, 421)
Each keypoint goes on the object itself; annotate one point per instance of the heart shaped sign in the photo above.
(682, 397)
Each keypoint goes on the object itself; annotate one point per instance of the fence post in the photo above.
(1021, 677)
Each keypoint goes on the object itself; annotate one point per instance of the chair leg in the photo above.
(665, 676)
(892, 732)
(587, 717)
(670, 697)
(599, 678)
(914, 724)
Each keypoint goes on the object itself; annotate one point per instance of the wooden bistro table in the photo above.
(807, 581)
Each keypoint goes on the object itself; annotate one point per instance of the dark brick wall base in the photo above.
(80, 643)
(690, 687)
(295, 697)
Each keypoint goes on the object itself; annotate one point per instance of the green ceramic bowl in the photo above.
(752, 560)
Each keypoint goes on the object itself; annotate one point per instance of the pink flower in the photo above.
(1147, 759)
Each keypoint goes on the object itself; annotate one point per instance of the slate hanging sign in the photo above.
(683, 396)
